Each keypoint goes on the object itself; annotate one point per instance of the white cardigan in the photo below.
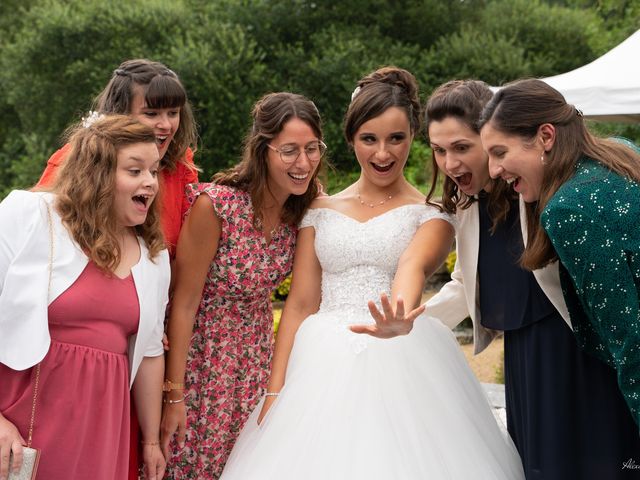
(458, 299)
(24, 280)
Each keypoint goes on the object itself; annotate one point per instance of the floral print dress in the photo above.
(230, 355)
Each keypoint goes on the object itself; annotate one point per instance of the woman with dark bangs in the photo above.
(152, 94)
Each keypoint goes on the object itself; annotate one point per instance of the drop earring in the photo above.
(542, 160)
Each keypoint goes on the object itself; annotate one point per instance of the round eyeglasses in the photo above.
(289, 153)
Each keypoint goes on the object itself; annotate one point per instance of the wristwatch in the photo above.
(168, 385)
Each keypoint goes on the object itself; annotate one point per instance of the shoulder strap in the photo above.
(37, 379)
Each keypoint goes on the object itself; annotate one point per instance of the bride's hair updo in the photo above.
(386, 87)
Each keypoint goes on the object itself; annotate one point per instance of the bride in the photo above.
(345, 406)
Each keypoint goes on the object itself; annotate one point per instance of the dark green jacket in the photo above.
(593, 222)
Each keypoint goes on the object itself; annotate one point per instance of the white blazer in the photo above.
(458, 299)
(24, 281)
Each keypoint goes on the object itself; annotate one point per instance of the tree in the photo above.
(512, 39)
(224, 73)
(56, 55)
(62, 55)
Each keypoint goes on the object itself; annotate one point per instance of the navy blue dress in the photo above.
(565, 412)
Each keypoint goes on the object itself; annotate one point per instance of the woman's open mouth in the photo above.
(463, 180)
(383, 167)
(513, 181)
(142, 201)
(299, 178)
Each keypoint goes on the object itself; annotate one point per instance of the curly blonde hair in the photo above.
(85, 189)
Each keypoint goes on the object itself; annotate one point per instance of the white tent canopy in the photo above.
(607, 88)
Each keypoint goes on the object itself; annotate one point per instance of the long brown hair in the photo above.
(270, 114)
(519, 109)
(375, 93)
(85, 189)
(463, 100)
(162, 89)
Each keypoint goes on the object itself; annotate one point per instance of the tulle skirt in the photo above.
(355, 407)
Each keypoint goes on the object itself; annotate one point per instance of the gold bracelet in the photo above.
(149, 443)
(168, 385)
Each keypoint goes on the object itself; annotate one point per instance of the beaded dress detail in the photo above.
(356, 407)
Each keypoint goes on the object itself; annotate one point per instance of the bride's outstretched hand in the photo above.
(389, 324)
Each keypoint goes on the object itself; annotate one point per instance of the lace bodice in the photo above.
(359, 259)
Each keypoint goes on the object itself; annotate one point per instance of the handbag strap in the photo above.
(37, 380)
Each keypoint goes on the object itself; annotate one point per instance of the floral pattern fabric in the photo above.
(230, 355)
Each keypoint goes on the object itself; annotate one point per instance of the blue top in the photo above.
(510, 297)
(592, 221)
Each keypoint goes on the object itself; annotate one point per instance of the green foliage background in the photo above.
(56, 55)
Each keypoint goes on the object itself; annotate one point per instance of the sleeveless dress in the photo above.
(229, 359)
(173, 205)
(82, 407)
(354, 407)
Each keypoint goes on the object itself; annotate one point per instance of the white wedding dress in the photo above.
(356, 407)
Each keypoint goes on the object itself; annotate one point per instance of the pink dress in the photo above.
(230, 356)
(82, 409)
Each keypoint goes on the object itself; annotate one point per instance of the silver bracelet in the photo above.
(272, 394)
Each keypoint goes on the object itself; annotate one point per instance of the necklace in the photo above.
(263, 226)
(370, 204)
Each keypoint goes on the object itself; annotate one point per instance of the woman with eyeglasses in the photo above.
(235, 248)
(345, 406)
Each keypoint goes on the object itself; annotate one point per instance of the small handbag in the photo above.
(31, 456)
(30, 459)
